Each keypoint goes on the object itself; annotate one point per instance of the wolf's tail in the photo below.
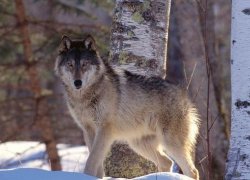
(194, 125)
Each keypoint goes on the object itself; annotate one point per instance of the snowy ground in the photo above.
(32, 155)
(27, 161)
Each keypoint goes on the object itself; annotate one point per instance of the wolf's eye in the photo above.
(70, 64)
(85, 64)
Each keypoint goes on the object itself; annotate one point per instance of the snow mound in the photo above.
(28, 161)
(39, 174)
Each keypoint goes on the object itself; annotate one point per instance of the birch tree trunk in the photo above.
(139, 36)
(139, 44)
(192, 51)
(238, 166)
(44, 122)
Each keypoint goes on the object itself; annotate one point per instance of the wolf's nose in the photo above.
(78, 84)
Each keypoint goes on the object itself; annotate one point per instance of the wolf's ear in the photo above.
(89, 43)
(65, 43)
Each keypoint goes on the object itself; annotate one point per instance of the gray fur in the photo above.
(154, 116)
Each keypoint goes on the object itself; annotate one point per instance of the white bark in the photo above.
(238, 164)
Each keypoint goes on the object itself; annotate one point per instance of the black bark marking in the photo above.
(243, 157)
(237, 174)
(241, 104)
(247, 137)
(152, 63)
(126, 45)
(131, 4)
(115, 58)
(147, 15)
(232, 61)
(234, 41)
(120, 28)
(246, 11)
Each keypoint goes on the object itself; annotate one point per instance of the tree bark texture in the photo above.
(139, 36)
(138, 43)
(192, 51)
(238, 166)
(36, 88)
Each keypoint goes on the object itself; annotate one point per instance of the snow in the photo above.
(32, 155)
(40, 174)
(27, 161)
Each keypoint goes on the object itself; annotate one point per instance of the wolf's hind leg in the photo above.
(182, 155)
(185, 162)
(147, 147)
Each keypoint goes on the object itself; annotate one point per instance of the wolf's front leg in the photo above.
(89, 137)
(103, 141)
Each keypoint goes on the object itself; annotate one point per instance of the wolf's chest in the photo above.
(84, 112)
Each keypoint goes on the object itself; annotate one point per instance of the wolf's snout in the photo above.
(78, 84)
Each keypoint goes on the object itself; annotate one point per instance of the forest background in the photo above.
(27, 84)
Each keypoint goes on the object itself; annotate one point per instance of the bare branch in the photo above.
(213, 122)
(185, 73)
(192, 75)
(201, 5)
(198, 90)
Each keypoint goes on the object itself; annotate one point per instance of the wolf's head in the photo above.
(78, 63)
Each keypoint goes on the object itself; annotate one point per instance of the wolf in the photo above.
(154, 116)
